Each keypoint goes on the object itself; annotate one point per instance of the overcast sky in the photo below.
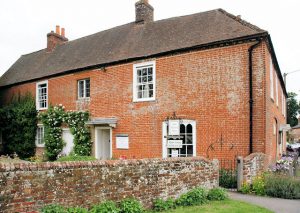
(25, 23)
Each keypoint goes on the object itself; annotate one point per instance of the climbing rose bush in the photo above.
(53, 119)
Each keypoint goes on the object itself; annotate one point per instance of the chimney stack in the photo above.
(143, 12)
(55, 38)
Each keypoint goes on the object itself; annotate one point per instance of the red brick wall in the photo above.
(28, 187)
(273, 112)
(208, 86)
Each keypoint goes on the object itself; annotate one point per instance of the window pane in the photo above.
(139, 72)
(189, 128)
(80, 89)
(150, 93)
(190, 150)
(144, 72)
(182, 128)
(87, 88)
(140, 95)
(189, 139)
(182, 151)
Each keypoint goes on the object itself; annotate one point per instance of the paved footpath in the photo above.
(277, 205)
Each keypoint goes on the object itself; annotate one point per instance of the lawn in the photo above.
(227, 206)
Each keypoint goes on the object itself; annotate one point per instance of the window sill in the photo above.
(83, 99)
(42, 108)
(40, 145)
(143, 100)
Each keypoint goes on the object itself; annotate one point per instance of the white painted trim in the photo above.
(134, 90)
(37, 95)
(164, 140)
(96, 140)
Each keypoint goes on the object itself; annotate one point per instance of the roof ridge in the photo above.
(241, 21)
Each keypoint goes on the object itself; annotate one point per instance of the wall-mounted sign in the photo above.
(174, 144)
(174, 153)
(174, 127)
(122, 141)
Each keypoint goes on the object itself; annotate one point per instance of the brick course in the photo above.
(27, 187)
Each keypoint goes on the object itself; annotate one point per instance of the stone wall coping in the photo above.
(10, 167)
(253, 155)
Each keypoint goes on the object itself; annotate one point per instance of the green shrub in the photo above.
(246, 188)
(18, 123)
(258, 185)
(228, 178)
(76, 158)
(53, 208)
(77, 210)
(195, 196)
(162, 205)
(105, 207)
(131, 205)
(282, 186)
(217, 194)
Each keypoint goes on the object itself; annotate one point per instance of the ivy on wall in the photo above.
(53, 120)
(18, 123)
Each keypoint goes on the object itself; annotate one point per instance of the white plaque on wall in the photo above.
(174, 127)
(174, 153)
(174, 144)
(122, 142)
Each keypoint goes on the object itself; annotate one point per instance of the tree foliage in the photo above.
(293, 108)
(18, 123)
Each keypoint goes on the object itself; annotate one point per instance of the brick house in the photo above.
(203, 84)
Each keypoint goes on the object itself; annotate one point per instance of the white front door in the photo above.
(103, 143)
(68, 139)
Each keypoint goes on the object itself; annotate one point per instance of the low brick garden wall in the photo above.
(27, 187)
(253, 165)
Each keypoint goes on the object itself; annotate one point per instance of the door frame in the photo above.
(97, 129)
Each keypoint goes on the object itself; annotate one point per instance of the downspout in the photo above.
(250, 50)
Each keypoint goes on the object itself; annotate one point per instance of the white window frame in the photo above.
(37, 95)
(135, 91)
(84, 89)
(165, 139)
(43, 136)
(271, 79)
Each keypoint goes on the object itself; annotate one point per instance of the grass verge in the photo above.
(226, 206)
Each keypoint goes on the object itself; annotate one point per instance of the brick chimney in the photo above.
(55, 38)
(143, 12)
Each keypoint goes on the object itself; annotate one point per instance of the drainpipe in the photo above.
(250, 50)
